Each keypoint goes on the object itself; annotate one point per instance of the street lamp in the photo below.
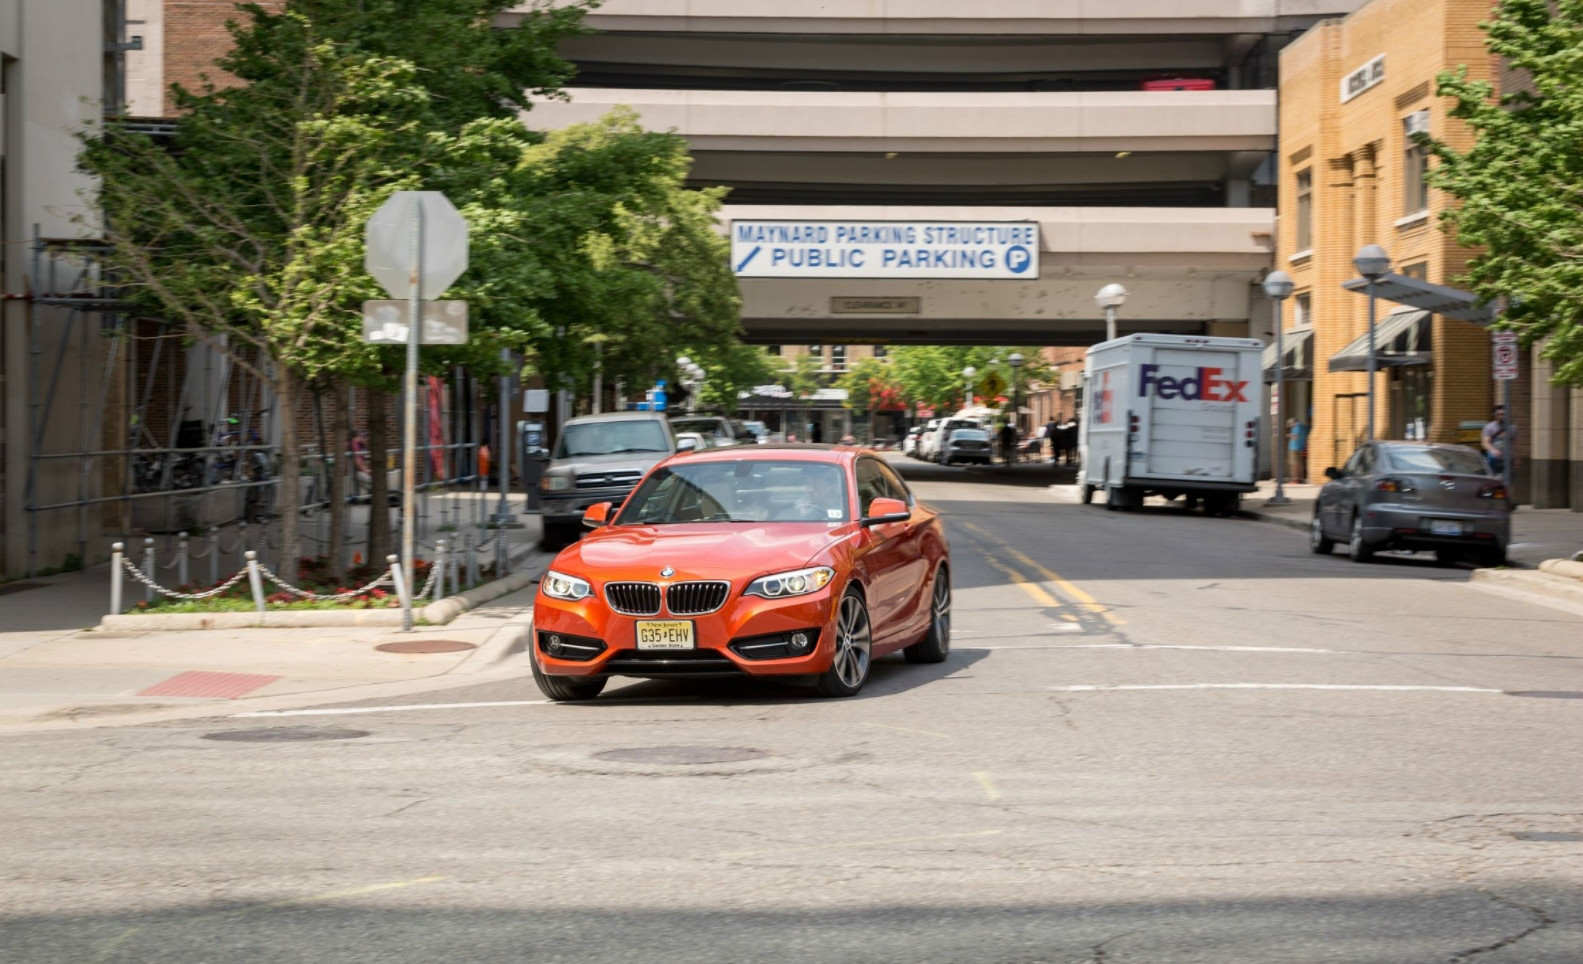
(1111, 297)
(1016, 402)
(1278, 285)
(1372, 263)
(967, 375)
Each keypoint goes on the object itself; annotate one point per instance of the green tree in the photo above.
(1520, 185)
(868, 382)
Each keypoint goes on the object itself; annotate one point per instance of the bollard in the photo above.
(398, 576)
(254, 579)
(500, 552)
(437, 570)
(453, 567)
(148, 568)
(116, 549)
(214, 556)
(181, 560)
(472, 561)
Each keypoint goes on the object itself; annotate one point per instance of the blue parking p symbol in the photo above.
(1018, 259)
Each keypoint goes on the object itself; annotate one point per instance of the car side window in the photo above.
(1366, 460)
(1354, 465)
(870, 485)
(898, 488)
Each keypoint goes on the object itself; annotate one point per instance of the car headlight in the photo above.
(798, 582)
(558, 585)
(555, 483)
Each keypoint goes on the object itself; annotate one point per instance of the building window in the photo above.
(879, 351)
(838, 358)
(772, 350)
(1419, 270)
(1305, 209)
(817, 351)
(1302, 311)
(1415, 164)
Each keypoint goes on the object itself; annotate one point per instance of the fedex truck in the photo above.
(1171, 415)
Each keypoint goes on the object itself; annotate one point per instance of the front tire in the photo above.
(1358, 548)
(936, 644)
(564, 689)
(1322, 544)
(854, 641)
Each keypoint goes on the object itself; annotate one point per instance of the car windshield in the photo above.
(613, 437)
(1459, 461)
(971, 434)
(703, 426)
(744, 490)
(955, 424)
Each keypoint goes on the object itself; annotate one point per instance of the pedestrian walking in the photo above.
(1008, 443)
(1499, 439)
(1069, 441)
(1052, 434)
(1297, 449)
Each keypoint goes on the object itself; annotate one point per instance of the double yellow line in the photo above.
(1035, 588)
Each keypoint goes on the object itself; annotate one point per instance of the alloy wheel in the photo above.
(1316, 532)
(853, 641)
(942, 611)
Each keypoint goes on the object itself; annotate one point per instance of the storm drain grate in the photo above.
(681, 755)
(426, 646)
(1548, 694)
(285, 734)
(1548, 836)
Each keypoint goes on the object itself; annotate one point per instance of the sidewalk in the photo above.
(57, 670)
(1537, 534)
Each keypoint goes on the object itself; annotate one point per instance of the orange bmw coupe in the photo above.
(795, 562)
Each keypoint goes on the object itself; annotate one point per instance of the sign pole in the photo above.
(409, 447)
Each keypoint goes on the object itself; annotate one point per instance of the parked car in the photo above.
(760, 431)
(598, 458)
(1417, 496)
(909, 444)
(693, 441)
(719, 429)
(933, 444)
(968, 445)
(770, 562)
(919, 451)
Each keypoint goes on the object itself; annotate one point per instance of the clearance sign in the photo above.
(984, 250)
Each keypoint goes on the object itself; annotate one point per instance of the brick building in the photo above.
(1352, 91)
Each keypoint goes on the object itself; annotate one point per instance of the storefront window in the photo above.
(1305, 210)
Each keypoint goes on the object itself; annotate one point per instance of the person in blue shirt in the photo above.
(1297, 449)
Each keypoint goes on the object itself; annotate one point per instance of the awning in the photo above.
(1436, 299)
(1299, 362)
(1401, 339)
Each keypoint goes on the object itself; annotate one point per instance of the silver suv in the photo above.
(598, 458)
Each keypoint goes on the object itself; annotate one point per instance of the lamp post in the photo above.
(1278, 285)
(1016, 398)
(967, 376)
(1372, 263)
(1111, 297)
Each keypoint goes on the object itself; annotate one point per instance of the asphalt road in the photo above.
(1160, 738)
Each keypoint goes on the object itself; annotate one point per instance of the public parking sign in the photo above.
(985, 250)
(1505, 360)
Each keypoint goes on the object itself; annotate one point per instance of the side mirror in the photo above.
(597, 514)
(686, 444)
(1333, 473)
(882, 511)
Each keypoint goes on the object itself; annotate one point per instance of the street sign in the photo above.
(981, 250)
(443, 253)
(1505, 361)
(444, 323)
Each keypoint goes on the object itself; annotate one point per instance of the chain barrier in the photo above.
(173, 594)
(322, 597)
(434, 570)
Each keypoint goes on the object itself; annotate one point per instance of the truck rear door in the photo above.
(1191, 414)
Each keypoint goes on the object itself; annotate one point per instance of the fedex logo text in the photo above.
(1206, 386)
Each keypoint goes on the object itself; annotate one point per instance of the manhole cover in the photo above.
(426, 646)
(285, 734)
(1548, 836)
(681, 754)
(1548, 694)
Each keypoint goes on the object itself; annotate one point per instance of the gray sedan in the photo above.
(1415, 496)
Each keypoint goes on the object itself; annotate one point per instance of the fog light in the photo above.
(555, 645)
(799, 640)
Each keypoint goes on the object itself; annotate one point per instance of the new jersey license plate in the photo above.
(1444, 527)
(665, 634)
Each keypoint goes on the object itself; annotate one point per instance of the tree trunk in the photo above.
(287, 388)
(379, 479)
(341, 464)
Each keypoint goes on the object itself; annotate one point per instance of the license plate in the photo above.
(1441, 527)
(665, 634)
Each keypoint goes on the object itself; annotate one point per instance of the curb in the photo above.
(1545, 583)
(501, 646)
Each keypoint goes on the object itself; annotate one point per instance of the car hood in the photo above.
(629, 461)
(704, 551)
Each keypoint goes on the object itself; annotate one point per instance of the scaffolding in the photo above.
(172, 438)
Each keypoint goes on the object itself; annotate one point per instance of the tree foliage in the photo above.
(1520, 186)
(931, 375)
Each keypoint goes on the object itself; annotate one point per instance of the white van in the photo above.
(1171, 415)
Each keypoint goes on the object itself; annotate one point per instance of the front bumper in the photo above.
(1404, 526)
(567, 506)
(743, 619)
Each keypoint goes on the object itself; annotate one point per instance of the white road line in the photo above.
(1216, 649)
(1272, 686)
(349, 710)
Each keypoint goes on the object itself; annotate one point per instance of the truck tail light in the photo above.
(1251, 434)
(1133, 422)
(1493, 490)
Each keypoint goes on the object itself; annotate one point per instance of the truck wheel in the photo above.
(1088, 494)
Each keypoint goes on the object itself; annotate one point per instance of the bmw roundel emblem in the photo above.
(667, 572)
